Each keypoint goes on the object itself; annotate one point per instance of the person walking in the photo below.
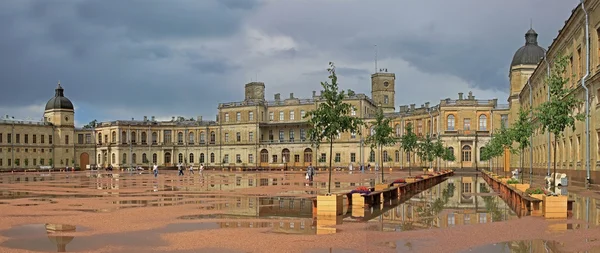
(192, 169)
(155, 170)
(180, 168)
(311, 172)
(201, 168)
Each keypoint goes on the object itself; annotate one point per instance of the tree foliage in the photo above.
(331, 116)
(381, 136)
(91, 125)
(558, 113)
(426, 149)
(408, 143)
(521, 132)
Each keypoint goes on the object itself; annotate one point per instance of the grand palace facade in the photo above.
(257, 132)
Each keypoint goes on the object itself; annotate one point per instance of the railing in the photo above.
(283, 141)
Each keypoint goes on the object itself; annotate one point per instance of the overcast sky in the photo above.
(123, 59)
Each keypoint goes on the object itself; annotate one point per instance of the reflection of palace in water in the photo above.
(454, 202)
(60, 241)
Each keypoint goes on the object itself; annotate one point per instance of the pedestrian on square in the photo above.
(192, 169)
(155, 170)
(180, 168)
(311, 172)
(201, 168)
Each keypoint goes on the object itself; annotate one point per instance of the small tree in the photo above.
(408, 143)
(381, 136)
(91, 125)
(500, 141)
(556, 114)
(448, 155)
(440, 151)
(426, 149)
(331, 117)
(522, 131)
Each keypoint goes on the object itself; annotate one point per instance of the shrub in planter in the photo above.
(361, 189)
(512, 181)
(399, 181)
(531, 191)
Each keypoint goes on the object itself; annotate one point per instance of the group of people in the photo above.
(180, 168)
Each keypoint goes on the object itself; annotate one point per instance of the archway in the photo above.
(84, 161)
(264, 158)
(308, 156)
(167, 159)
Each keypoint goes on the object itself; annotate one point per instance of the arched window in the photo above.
(285, 154)
(124, 159)
(154, 137)
(212, 157)
(385, 156)
(99, 159)
(134, 158)
(202, 138)
(451, 150)
(113, 158)
(372, 156)
(154, 158)
(398, 130)
(180, 137)
(124, 137)
(191, 157)
(201, 157)
(308, 155)
(264, 156)
(144, 158)
(213, 137)
(450, 122)
(133, 139)
(482, 122)
(180, 156)
(466, 153)
(144, 138)
(481, 150)
(114, 137)
(167, 157)
(191, 138)
(397, 154)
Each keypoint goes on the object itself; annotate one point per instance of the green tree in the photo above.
(408, 143)
(442, 152)
(501, 140)
(558, 113)
(381, 136)
(426, 149)
(331, 117)
(91, 125)
(448, 155)
(522, 131)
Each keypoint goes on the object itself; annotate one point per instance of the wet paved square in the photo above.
(271, 212)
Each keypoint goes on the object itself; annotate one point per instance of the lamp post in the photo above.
(587, 96)
(530, 137)
(548, 99)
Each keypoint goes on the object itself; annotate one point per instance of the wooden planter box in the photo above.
(425, 176)
(522, 187)
(555, 207)
(410, 179)
(330, 205)
(380, 187)
(536, 208)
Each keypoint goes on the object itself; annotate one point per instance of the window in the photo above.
(385, 156)
(212, 157)
(1, 138)
(226, 117)
(88, 138)
(264, 156)
(323, 157)
(481, 150)
(201, 158)
(238, 158)
(144, 158)
(291, 135)
(281, 115)
(190, 138)
(271, 116)
(167, 136)
(238, 136)
(18, 138)
(180, 137)
(134, 158)
(302, 114)
(451, 149)
(144, 138)
(466, 153)
(251, 136)
(579, 63)
(353, 111)
(67, 139)
(202, 138)
(353, 135)
(250, 116)
(42, 139)
(113, 158)
(302, 134)
(212, 137)
(180, 158)
(191, 159)
(154, 137)
(504, 121)
(49, 139)
(372, 156)
(281, 135)
(226, 158)
(291, 115)
(155, 158)
(397, 153)
(274, 159)
(467, 124)
(26, 138)
(419, 127)
(338, 157)
(450, 122)
(386, 99)
(482, 123)
(226, 137)
(9, 138)
(250, 158)
(352, 157)
(238, 117)
(296, 158)
(80, 139)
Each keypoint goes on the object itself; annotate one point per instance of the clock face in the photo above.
(386, 84)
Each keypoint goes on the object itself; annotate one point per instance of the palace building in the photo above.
(262, 133)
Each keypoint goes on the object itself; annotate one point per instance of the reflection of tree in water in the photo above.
(428, 212)
(520, 247)
(491, 204)
(406, 226)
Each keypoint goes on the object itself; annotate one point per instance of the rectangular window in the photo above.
(238, 116)
(226, 117)
(291, 115)
(18, 138)
(296, 158)
(302, 114)
(26, 138)
(226, 137)
(88, 138)
(9, 162)
(281, 115)
(271, 116)
(80, 139)
(302, 134)
(42, 138)
(250, 116)
(467, 124)
(353, 135)
(49, 139)
(352, 157)
(504, 121)
(338, 157)
(353, 112)
(9, 138)
(281, 135)
(251, 136)
(250, 158)
(291, 135)
(323, 157)
(66, 139)
(238, 136)
(238, 158)
(1, 162)
(226, 158)
(274, 159)
(579, 63)
(34, 139)
(167, 136)
(0, 138)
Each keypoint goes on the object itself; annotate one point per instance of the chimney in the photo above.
(495, 101)
(145, 118)
(412, 107)
(199, 118)
(314, 93)
(471, 97)
(460, 96)
(403, 108)
(153, 118)
(291, 95)
(132, 119)
(277, 97)
(427, 105)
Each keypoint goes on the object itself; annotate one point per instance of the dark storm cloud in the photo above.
(117, 54)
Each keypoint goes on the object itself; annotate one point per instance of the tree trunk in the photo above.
(330, 161)
(521, 162)
(554, 161)
(381, 162)
(409, 163)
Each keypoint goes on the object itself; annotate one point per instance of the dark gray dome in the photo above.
(531, 53)
(59, 101)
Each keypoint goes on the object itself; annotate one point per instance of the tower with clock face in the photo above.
(383, 90)
(59, 110)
